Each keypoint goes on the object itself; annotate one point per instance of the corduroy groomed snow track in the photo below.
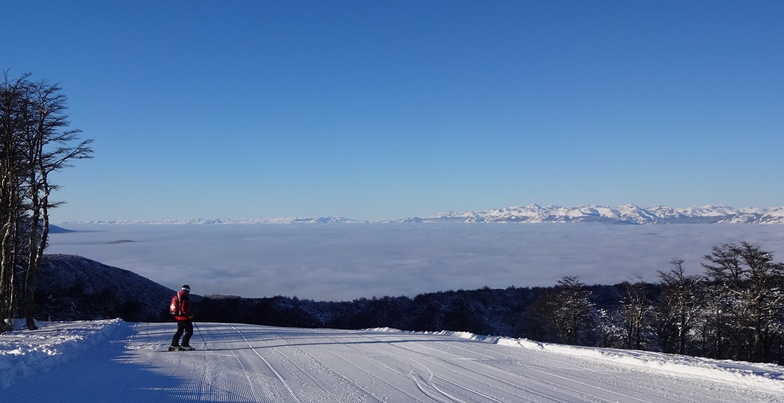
(114, 361)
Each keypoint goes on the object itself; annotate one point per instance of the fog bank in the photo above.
(346, 261)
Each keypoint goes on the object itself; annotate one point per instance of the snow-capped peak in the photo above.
(535, 213)
(623, 214)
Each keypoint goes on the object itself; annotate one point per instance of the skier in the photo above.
(182, 313)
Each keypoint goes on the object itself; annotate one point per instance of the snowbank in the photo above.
(25, 352)
(769, 376)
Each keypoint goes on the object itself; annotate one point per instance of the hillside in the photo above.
(76, 288)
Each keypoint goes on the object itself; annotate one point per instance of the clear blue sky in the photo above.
(390, 109)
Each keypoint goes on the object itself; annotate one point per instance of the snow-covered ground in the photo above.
(115, 361)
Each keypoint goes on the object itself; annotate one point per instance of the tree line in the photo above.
(35, 142)
(735, 310)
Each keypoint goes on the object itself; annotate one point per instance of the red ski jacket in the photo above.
(185, 306)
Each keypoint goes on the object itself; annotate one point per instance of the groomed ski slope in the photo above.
(115, 361)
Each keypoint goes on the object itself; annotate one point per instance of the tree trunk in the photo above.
(32, 271)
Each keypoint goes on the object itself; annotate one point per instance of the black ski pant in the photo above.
(183, 326)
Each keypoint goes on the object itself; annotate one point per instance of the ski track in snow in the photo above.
(115, 361)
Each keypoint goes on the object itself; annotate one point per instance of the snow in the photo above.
(116, 361)
(628, 214)
(533, 213)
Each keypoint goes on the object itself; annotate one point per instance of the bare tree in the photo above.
(636, 312)
(715, 332)
(34, 142)
(12, 124)
(49, 149)
(565, 312)
(678, 307)
(751, 284)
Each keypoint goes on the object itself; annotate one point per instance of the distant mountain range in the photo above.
(533, 213)
(626, 214)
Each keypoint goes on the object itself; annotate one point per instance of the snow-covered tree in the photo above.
(678, 306)
(751, 290)
(565, 313)
(636, 313)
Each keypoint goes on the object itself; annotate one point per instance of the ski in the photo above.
(181, 349)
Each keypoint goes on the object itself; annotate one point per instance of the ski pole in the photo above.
(201, 335)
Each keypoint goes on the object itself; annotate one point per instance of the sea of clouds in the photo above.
(337, 262)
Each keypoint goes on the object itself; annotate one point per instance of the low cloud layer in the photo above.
(338, 262)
